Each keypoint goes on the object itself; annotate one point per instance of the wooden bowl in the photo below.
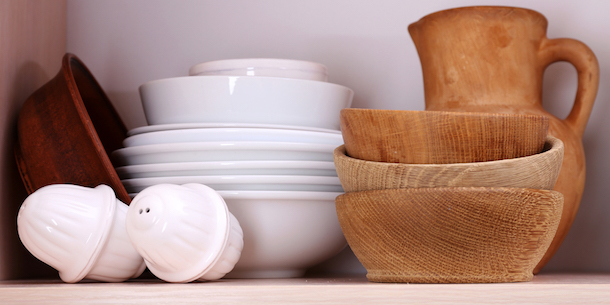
(66, 129)
(450, 235)
(437, 137)
(539, 171)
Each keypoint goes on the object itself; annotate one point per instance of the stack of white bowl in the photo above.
(261, 132)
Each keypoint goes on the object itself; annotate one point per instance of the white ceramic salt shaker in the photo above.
(184, 232)
(79, 231)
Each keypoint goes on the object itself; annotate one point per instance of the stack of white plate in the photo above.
(262, 133)
(246, 157)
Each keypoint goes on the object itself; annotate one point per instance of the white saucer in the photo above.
(233, 134)
(244, 183)
(221, 151)
(301, 168)
(152, 128)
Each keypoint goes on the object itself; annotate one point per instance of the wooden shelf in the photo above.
(545, 288)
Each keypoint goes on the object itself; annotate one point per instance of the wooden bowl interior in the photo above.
(108, 125)
(437, 137)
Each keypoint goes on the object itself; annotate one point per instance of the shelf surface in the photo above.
(544, 289)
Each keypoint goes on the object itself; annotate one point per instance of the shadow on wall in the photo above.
(129, 108)
(19, 263)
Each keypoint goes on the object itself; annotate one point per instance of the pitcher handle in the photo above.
(583, 59)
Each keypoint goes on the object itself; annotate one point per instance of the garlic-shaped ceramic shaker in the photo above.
(184, 232)
(79, 231)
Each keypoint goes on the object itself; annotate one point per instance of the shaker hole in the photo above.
(141, 211)
(147, 210)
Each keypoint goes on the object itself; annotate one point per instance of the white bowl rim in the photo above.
(287, 195)
(277, 195)
(264, 79)
(244, 63)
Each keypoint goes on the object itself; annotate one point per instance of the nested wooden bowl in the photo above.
(438, 137)
(450, 235)
(538, 171)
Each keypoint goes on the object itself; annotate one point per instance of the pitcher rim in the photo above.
(481, 8)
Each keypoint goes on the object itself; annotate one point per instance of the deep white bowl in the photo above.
(244, 182)
(243, 99)
(300, 168)
(221, 151)
(262, 67)
(284, 232)
(233, 134)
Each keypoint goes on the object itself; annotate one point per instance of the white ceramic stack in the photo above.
(261, 132)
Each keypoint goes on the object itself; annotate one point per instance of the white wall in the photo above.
(365, 46)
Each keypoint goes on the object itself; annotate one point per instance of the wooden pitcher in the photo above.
(492, 59)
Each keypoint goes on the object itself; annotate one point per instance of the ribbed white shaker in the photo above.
(79, 231)
(184, 232)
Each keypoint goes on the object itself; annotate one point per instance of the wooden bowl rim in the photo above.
(554, 145)
(470, 189)
(450, 113)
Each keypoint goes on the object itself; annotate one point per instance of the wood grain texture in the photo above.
(537, 171)
(438, 137)
(492, 59)
(450, 235)
(66, 130)
(32, 41)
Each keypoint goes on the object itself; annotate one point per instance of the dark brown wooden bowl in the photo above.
(66, 130)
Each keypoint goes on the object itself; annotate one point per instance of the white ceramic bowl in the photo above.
(300, 168)
(221, 151)
(243, 99)
(233, 134)
(164, 127)
(262, 67)
(244, 182)
(284, 232)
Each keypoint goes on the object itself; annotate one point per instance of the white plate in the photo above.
(233, 134)
(302, 168)
(161, 127)
(221, 151)
(244, 183)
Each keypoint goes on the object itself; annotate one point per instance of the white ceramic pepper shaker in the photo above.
(184, 232)
(79, 231)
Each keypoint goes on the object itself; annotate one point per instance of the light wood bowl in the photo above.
(539, 171)
(438, 137)
(450, 235)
